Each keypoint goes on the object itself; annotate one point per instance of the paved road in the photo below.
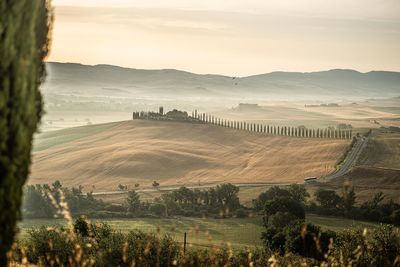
(170, 188)
(350, 159)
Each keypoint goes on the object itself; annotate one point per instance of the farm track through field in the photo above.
(171, 188)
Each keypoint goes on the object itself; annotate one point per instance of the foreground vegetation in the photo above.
(232, 236)
(207, 232)
(81, 243)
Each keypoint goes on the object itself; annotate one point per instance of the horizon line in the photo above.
(225, 75)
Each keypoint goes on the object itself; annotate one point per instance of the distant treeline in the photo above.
(222, 201)
(42, 201)
(300, 131)
(329, 202)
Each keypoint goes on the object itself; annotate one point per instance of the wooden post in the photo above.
(184, 243)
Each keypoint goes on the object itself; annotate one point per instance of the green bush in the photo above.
(241, 213)
(46, 246)
(158, 209)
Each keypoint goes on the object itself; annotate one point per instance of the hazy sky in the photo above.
(233, 37)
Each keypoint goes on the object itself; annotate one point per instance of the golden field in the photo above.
(99, 157)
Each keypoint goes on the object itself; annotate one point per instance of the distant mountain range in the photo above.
(114, 81)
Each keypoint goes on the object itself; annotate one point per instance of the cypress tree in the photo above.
(24, 43)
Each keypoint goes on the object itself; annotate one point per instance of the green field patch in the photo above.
(47, 140)
(237, 232)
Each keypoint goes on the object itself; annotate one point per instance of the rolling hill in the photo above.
(100, 157)
(114, 81)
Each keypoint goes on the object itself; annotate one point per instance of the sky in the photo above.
(235, 37)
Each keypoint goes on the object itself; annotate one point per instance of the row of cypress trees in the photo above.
(254, 127)
(275, 130)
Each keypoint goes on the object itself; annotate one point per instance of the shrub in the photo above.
(307, 240)
(81, 226)
(157, 209)
(384, 245)
(46, 246)
(241, 213)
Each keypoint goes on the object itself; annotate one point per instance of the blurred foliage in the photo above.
(97, 244)
(24, 43)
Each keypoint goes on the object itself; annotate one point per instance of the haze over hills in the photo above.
(77, 94)
(114, 81)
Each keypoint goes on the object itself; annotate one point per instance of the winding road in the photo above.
(350, 159)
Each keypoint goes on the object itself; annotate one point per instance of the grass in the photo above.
(382, 151)
(47, 140)
(238, 232)
(338, 224)
(200, 232)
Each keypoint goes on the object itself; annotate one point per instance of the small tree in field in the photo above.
(133, 201)
(156, 184)
(348, 200)
(122, 187)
